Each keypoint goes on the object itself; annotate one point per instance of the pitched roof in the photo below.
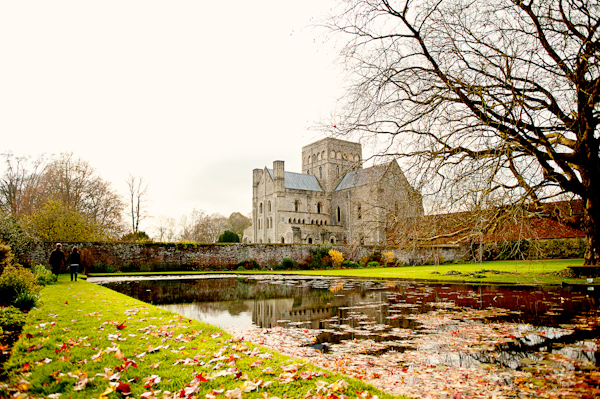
(299, 181)
(362, 177)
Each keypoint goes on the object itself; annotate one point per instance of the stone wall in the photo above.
(221, 256)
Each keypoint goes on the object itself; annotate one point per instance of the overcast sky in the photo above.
(190, 95)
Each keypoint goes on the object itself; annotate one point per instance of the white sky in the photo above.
(189, 94)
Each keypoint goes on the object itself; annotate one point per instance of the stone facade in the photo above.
(335, 200)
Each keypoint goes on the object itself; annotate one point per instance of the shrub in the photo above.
(389, 258)
(320, 257)
(16, 280)
(351, 265)
(139, 237)
(373, 264)
(250, 264)
(43, 275)
(6, 256)
(228, 236)
(11, 318)
(144, 268)
(336, 257)
(26, 300)
(288, 264)
(100, 267)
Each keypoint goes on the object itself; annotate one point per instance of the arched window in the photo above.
(269, 206)
(319, 207)
(314, 158)
(359, 211)
(294, 220)
(260, 208)
(337, 170)
(320, 172)
(339, 214)
(310, 240)
(296, 205)
(259, 224)
(290, 220)
(332, 240)
(303, 221)
(282, 240)
(312, 222)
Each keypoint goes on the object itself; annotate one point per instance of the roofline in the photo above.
(329, 139)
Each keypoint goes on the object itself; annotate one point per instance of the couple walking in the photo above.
(57, 258)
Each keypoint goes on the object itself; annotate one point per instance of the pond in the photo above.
(499, 334)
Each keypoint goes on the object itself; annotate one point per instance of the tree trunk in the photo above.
(592, 230)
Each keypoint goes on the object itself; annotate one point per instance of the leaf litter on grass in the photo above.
(129, 349)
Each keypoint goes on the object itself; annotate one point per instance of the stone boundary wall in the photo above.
(220, 256)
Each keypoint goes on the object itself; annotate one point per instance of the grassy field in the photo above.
(506, 272)
(87, 341)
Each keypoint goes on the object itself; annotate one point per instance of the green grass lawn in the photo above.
(510, 272)
(87, 341)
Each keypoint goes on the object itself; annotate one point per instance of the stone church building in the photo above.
(334, 199)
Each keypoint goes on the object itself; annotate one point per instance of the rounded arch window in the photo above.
(314, 158)
(303, 221)
(339, 214)
(282, 240)
(332, 240)
(296, 205)
(260, 208)
(320, 172)
(269, 206)
(319, 207)
(310, 240)
(290, 220)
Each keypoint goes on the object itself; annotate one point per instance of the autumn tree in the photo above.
(238, 222)
(65, 188)
(55, 221)
(489, 102)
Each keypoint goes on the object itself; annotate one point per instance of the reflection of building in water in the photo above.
(312, 311)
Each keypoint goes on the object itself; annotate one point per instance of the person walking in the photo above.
(57, 258)
(74, 261)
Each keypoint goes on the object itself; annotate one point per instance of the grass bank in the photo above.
(87, 341)
(505, 272)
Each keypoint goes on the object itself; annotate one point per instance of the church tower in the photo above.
(330, 159)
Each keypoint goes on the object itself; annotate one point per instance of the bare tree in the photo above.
(201, 227)
(165, 228)
(20, 183)
(137, 195)
(492, 102)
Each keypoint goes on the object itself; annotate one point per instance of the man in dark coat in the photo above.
(57, 258)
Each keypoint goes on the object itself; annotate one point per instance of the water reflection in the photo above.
(393, 315)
